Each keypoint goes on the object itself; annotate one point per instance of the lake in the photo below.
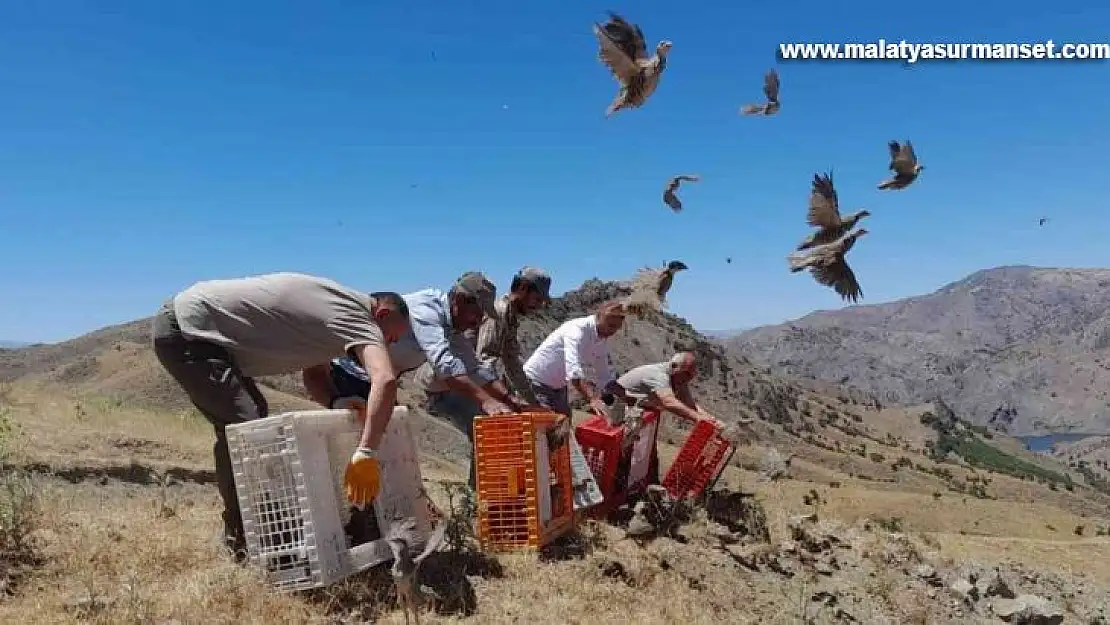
(1044, 443)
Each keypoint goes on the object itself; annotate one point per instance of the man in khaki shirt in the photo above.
(498, 345)
(663, 387)
(217, 336)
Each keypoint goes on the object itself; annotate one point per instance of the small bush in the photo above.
(892, 524)
(19, 552)
(462, 509)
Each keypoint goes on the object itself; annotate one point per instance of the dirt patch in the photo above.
(132, 473)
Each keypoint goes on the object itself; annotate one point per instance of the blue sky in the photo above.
(147, 145)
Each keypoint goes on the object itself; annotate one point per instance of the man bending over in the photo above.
(216, 336)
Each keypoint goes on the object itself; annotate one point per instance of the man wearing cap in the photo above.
(217, 336)
(441, 348)
(498, 346)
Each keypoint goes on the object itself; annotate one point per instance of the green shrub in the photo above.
(18, 513)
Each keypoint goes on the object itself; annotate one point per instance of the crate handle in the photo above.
(516, 481)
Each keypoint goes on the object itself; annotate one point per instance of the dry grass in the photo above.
(118, 552)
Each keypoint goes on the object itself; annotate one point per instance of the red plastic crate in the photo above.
(601, 445)
(702, 458)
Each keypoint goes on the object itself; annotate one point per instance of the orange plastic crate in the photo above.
(601, 445)
(525, 493)
(702, 458)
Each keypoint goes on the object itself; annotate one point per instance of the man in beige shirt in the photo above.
(216, 336)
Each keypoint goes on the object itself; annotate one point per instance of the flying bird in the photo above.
(404, 539)
(1042, 221)
(771, 91)
(728, 260)
(829, 267)
(903, 162)
(669, 198)
(824, 213)
(622, 48)
(650, 287)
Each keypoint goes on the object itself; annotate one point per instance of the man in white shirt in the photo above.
(565, 357)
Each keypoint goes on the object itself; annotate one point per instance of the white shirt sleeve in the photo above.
(601, 365)
(573, 344)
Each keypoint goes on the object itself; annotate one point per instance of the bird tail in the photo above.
(751, 109)
(614, 106)
(886, 184)
(798, 261)
(809, 242)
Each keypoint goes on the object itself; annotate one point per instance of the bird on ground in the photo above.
(771, 91)
(903, 162)
(650, 287)
(829, 267)
(824, 213)
(404, 539)
(622, 48)
(669, 197)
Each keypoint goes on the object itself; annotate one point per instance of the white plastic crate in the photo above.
(289, 478)
(586, 490)
(642, 448)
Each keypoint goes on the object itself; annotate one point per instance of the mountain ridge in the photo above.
(1023, 349)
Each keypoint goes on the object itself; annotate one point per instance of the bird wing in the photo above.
(620, 46)
(841, 278)
(824, 204)
(435, 539)
(670, 199)
(902, 158)
(894, 148)
(771, 86)
(686, 178)
(753, 109)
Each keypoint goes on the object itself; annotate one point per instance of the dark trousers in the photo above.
(221, 393)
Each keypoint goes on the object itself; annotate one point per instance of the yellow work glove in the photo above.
(363, 476)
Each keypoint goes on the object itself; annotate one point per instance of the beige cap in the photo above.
(475, 284)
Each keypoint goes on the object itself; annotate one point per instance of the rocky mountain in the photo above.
(1022, 349)
(12, 344)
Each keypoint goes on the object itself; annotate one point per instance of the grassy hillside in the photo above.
(907, 505)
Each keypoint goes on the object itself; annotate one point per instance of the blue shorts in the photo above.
(349, 378)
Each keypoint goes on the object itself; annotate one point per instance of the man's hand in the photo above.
(715, 421)
(363, 476)
(519, 404)
(599, 408)
(492, 406)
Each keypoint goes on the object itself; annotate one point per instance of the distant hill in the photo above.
(1022, 349)
(830, 429)
(13, 344)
